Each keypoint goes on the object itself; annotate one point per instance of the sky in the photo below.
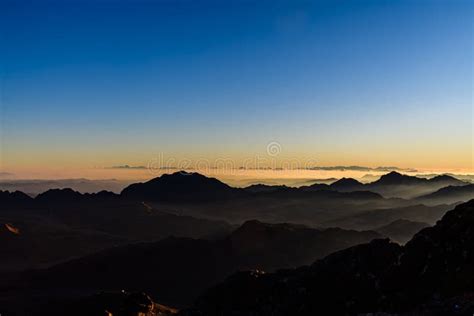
(87, 86)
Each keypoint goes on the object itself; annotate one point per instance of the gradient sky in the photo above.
(96, 84)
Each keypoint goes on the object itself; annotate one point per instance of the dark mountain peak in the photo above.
(187, 178)
(102, 195)
(347, 184)
(14, 195)
(446, 179)
(316, 187)
(180, 175)
(392, 176)
(59, 195)
(251, 224)
(443, 177)
(395, 178)
(105, 193)
(16, 199)
(181, 187)
(346, 181)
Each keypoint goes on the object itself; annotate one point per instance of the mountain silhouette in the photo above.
(181, 186)
(395, 184)
(259, 245)
(434, 267)
(395, 178)
(54, 196)
(450, 194)
(347, 184)
(177, 270)
(14, 199)
(62, 224)
(81, 244)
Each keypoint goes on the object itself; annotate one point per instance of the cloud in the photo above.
(127, 167)
(5, 174)
(361, 168)
(384, 169)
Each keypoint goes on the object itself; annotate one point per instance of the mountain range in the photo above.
(179, 236)
(393, 184)
(192, 205)
(177, 270)
(431, 275)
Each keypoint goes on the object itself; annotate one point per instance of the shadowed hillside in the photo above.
(435, 266)
(177, 270)
(401, 230)
(450, 194)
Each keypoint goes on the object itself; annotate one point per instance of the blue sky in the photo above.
(357, 82)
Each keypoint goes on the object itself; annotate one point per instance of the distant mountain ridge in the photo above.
(374, 219)
(347, 184)
(176, 270)
(449, 194)
(430, 275)
(393, 184)
(194, 187)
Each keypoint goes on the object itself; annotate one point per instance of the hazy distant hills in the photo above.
(311, 205)
(191, 205)
(450, 194)
(178, 269)
(36, 242)
(193, 187)
(200, 196)
(431, 275)
(393, 184)
(401, 230)
(373, 219)
(61, 223)
(270, 246)
(140, 206)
